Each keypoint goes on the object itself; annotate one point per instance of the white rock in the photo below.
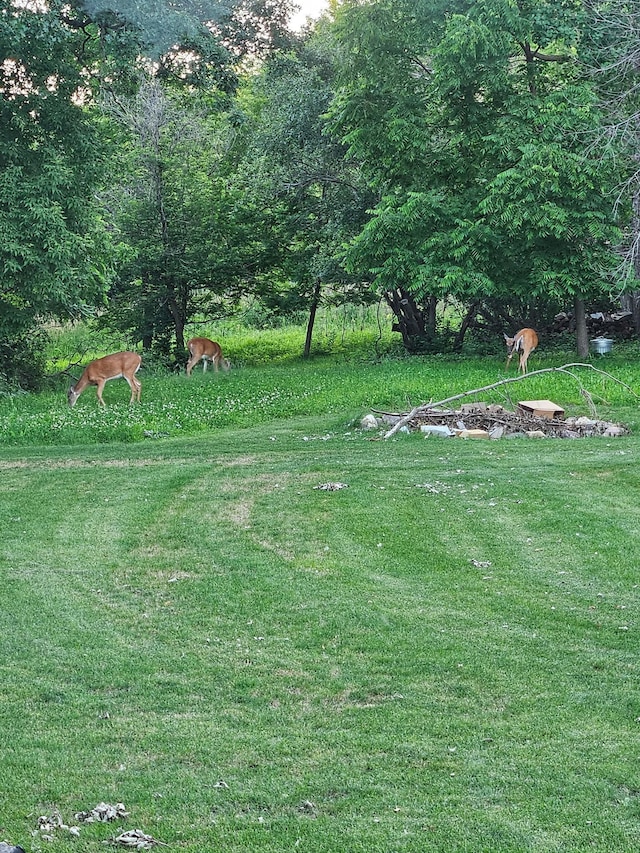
(369, 422)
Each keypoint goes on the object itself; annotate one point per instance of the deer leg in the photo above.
(136, 387)
(99, 389)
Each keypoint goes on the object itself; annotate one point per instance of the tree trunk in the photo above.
(432, 304)
(631, 302)
(582, 333)
(462, 331)
(178, 324)
(635, 259)
(409, 318)
(315, 301)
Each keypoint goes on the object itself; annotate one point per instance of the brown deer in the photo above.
(203, 348)
(523, 342)
(100, 371)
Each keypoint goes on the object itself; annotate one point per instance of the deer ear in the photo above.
(506, 337)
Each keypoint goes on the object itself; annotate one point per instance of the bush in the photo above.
(23, 362)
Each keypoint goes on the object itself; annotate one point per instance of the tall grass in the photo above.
(349, 333)
(269, 380)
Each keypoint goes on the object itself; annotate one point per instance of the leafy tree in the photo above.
(611, 46)
(179, 216)
(474, 130)
(315, 194)
(188, 233)
(53, 246)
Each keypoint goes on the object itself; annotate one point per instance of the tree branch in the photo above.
(421, 65)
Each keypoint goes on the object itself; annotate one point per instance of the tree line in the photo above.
(166, 161)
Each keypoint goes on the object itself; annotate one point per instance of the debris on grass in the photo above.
(432, 488)
(428, 413)
(49, 823)
(103, 812)
(135, 839)
(308, 807)
(332, 487)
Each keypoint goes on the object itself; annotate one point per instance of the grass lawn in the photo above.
(442, 656)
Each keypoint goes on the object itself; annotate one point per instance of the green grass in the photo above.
(442, 656)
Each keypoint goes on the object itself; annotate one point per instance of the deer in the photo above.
(523, 342)
(100, 371)
(203, 348)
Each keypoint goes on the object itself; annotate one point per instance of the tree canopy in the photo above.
(477, 132)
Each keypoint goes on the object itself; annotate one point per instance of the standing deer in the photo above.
(203, 348)
(125, 364)
(523, 342)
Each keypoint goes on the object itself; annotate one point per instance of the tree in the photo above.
(316, 195)
(178, 215)
(474, 131)
(612, 40)
(188, 230)
(53, 245)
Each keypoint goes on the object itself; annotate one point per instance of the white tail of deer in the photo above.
(125, 364)
(203, 348)
(523, 342)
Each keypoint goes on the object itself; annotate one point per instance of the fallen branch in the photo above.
(424, 408)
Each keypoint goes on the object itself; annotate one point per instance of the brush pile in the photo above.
(479, 420)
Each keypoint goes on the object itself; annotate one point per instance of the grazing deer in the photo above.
(523, 342)
(203, 348)
(125, 364)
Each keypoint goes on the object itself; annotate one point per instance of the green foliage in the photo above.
(54, 252)
(75, 344)
(611, 40)
(434, 149)
(57, 252)
(22, 363)
(314, 194)
(175, 212)
(504, 199)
